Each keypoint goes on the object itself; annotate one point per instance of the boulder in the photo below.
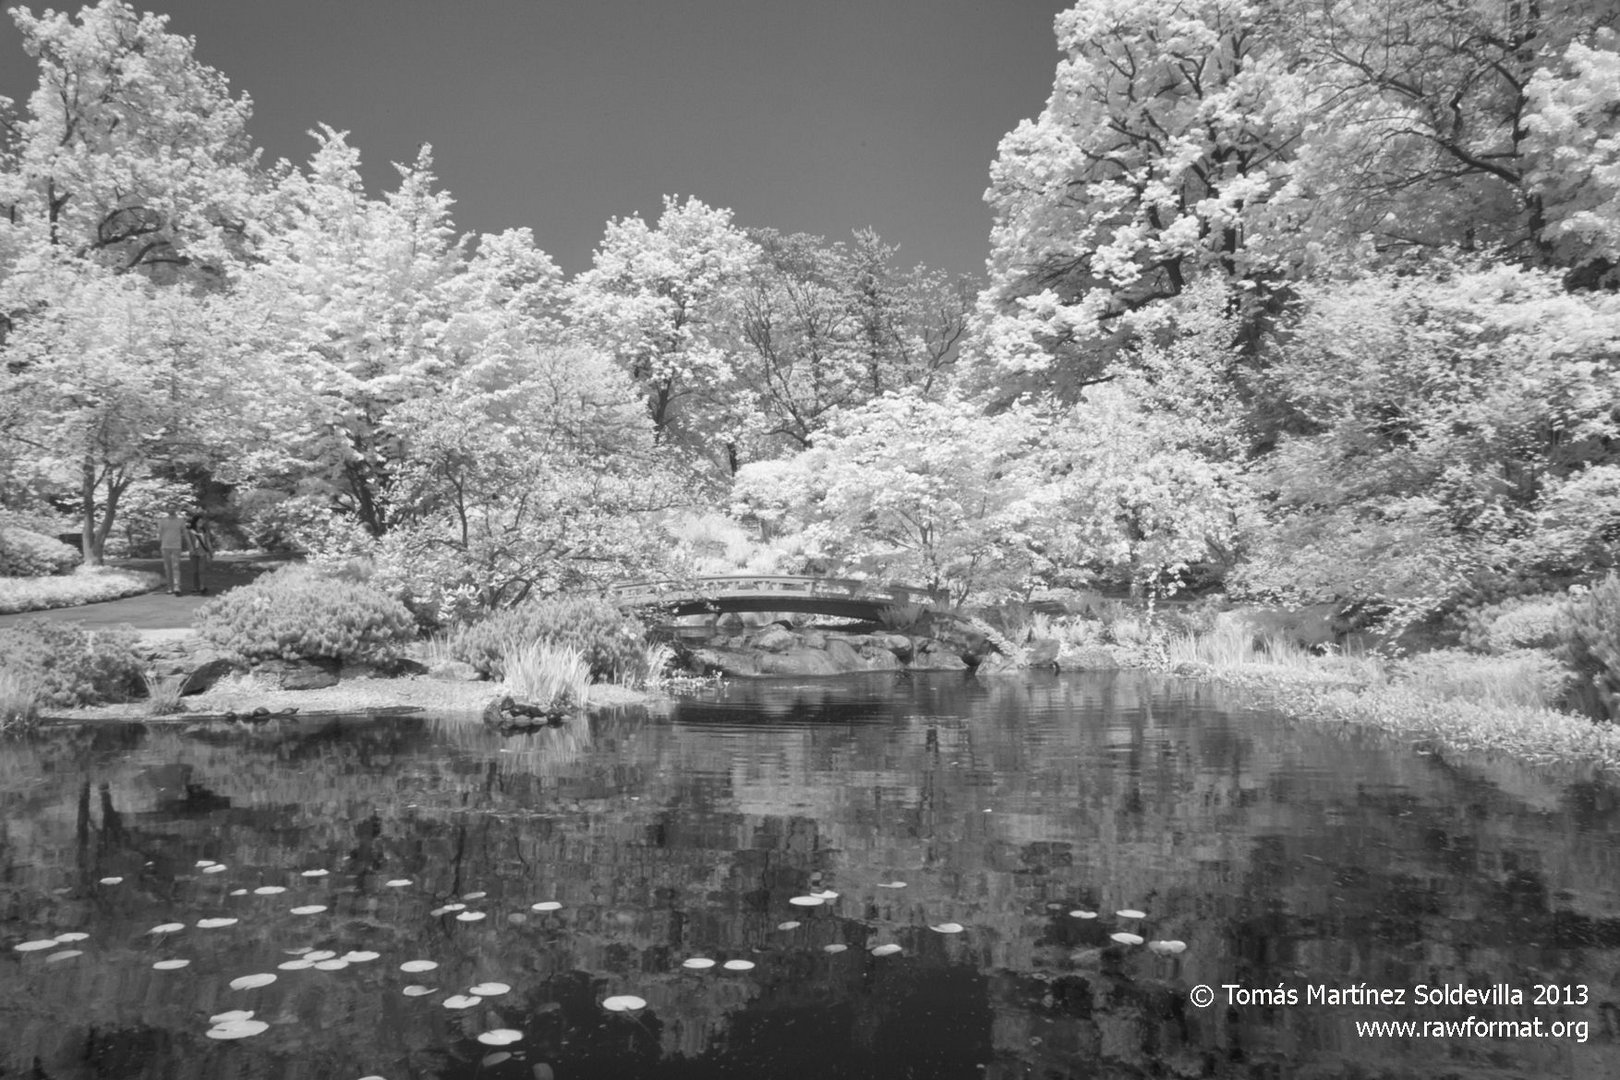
(1089, 658)
(391, 668)
(207, 668)
(1042, 652)
(712, 661)
(843, 655)
(799, 661)
(454, 671)
(901, 646)
(774, 639)
(299, 674)
(933, 656)
(507, 714)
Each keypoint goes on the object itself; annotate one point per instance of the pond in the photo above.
(975, 848)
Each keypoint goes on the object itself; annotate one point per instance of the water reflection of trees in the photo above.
(1289, 855)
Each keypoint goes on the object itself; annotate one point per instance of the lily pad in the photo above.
(337, 964)
(1130, 913)
(825, 894)
(270, 890)
(414, 966)
(35, 946)
(1125, 938)
(461, 1001)
(71, 936)
(623, 1003)
(1079, 913)
(791, 924)
(170, 965)
(738, 965)
(204, 863)
(835, 947)
(252, 982)
(360, 956)
(320, 954)
(807, 901)
(455, 907)
(306, 909)
(891, 884)
(697, 963)
(238, 892)
(215, 924)
(65, 954)
(233, 1015)
(217, 868)
(314, 873)
(489, 989)
(948, 928)
(398, 883)
(1167, 948)
(112, 881)
(470, 916)
(417, 991)
(886, 950)
(474, 895)
(500, 1037)
(237, 1029)
(545, 905)
(296, 965)
(167, 928)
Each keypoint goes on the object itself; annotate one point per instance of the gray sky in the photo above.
(818, 115)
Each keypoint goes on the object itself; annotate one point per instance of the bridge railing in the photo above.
(797, 585)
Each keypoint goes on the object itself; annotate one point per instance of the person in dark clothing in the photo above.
(200, 542)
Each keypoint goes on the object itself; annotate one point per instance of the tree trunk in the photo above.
(90, 543)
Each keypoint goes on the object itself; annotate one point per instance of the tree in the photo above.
(663, 299)
(117, 380)
(1167, 135)
(352, 301)
(913, 490)
(131, 155)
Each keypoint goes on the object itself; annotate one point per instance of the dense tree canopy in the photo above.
(1311, 298)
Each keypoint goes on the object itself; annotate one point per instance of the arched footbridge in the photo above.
(845, 597)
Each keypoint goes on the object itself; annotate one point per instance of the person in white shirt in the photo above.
(171, 542)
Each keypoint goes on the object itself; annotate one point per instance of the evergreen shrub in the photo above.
(610, 641)
(1592, 644)
(68, 665)
(1524, 622)
(297, 613)
(25, 553)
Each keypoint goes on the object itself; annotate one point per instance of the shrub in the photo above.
(19, 702)
(297, 613)
(902, 616)
(609, 640)
(1592, 643)
(1527, 678)
(1526, 622)
(70, 666)
(25, 553)
(549, 676)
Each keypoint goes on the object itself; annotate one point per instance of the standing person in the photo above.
(171, 542)
(201, 544)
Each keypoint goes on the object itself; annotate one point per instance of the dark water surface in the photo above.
(1285, 857)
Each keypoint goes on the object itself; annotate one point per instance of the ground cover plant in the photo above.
(82, 585)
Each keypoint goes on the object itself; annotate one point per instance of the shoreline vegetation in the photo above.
(85, 585)
(1442, 700)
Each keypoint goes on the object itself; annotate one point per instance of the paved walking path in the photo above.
(154, 610)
